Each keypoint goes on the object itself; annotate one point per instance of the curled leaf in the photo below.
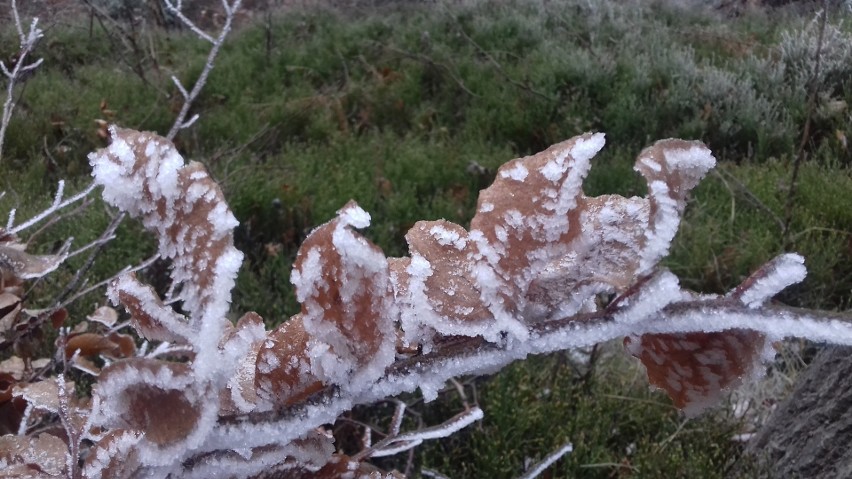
(114, 457)
(342, 282)
(42, 395)
(104, 315)
(143, 174)
(436, 283)
(148, 315)
(15, 262)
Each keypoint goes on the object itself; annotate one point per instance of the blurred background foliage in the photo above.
(410, 108)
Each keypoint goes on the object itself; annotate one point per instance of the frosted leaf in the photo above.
(770, 279)
(13, 366)
(115, 456)
(615, 240)
(436, 285)
(42, 395)
(148, 315)
(695, 368)
(299, 458)
(160, 399)
(348, 312)
(672, 168)
(144, 175)
(282, 367)
(15, 262)
(242, 343)
(31, 458)
(602, 257)
(529, 223)
(10, 306)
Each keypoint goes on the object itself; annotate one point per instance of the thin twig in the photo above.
(742, 190)
(189, 96)
(801, 154)
(547, 461)
(497, 66)
(28, 43)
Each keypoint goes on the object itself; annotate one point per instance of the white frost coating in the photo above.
(662, 228)
(486, 207)
(447, 237)
(518, 173)
(693, 162)
(585, 149)
(651, 164)
(354, 216)
(713, 317)
(660, 291)
(306, 284)
(547, 461)
(783, 271)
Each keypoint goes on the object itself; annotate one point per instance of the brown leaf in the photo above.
(105, 315)
(43, 395)
(116, 456)
(148, 315)
(283, 371)
(16, 262)
(437, 282)
(26, 457)
(348, 311)
(88, 344)
(183, 206)
(695, 368)
(151, 396)
(10, 306)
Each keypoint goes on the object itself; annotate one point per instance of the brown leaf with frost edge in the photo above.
(696, 368)
(348, 311)
(143, 174)
(162, 400)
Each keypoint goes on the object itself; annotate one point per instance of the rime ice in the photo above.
(538, 252)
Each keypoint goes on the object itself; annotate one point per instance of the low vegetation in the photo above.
(410, 110)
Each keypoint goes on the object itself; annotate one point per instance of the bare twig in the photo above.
(58, 204)
(801, 154)
(189, 96)
(497, 66)
(537, 469)
(28, 42)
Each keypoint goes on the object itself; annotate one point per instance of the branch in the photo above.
(473, 355)
(189, 97)
(28, 43)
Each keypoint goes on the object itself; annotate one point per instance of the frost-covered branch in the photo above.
(189, 96)
(538, 468)
(523, 279)
(59, 202)
(28, 42)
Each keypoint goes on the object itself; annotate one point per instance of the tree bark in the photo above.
(808, 435)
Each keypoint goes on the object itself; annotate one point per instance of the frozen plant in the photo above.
(19, 66)
(238, 400)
